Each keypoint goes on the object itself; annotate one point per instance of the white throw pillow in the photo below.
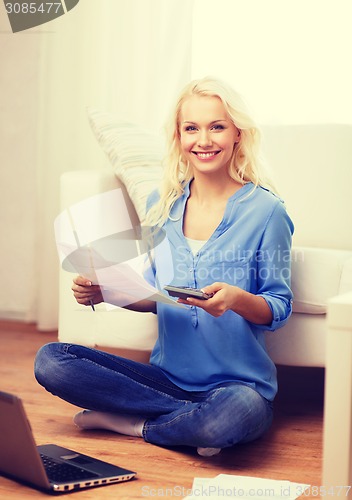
(135, 154)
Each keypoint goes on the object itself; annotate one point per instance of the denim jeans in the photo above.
(95, 380)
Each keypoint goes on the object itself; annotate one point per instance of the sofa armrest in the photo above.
(77, 185)
(317, 275)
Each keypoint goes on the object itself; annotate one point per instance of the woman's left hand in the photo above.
(251, 307)
(224, 298)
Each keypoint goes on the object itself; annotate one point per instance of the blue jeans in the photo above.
(218, 418)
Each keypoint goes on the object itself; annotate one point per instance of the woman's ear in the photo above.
(238, 136)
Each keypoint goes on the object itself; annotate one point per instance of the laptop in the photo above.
(47, 467)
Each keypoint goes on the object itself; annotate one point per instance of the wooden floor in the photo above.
(292, 450)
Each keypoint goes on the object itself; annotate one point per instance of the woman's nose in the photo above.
(204, 139)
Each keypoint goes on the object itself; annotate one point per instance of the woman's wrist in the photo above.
(252, 307)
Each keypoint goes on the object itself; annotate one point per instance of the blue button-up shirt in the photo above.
(250, 248)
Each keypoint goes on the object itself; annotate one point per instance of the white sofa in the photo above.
(312, 168)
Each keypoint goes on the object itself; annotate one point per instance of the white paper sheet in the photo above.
(95, 239)
(245, 487)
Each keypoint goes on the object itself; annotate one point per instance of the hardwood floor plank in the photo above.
(292, 450)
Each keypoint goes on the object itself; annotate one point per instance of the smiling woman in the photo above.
(210, 382)
(208, 139)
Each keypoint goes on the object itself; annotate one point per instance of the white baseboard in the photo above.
(15, 316)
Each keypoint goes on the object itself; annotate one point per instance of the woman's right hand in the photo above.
(85, 292)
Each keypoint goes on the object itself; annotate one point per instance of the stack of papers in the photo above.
(226, 486)
(95, 238)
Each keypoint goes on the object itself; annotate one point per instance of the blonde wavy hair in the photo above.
(246, 164)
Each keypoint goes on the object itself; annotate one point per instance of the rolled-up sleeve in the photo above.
(274, 266)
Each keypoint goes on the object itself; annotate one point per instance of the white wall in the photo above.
(290, 59)
(19, 80)
(129, 57)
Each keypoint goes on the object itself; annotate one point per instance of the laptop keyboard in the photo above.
(63, 472)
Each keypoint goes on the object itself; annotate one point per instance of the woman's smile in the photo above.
(206, 156)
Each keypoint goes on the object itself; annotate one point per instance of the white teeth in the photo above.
(205, 155)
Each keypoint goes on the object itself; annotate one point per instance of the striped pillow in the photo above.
(135, 154)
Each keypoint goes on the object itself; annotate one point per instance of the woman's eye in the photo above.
(218, 127)
(190, 128)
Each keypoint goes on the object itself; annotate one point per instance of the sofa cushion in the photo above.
(135, 154)
(317, 275)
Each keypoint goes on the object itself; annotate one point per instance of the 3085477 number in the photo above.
(33, 8)
(323, 491)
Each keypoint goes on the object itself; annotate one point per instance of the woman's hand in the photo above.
(224, 298)
(85, 292)
(253, 308)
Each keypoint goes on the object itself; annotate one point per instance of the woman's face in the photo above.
(207, 134)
